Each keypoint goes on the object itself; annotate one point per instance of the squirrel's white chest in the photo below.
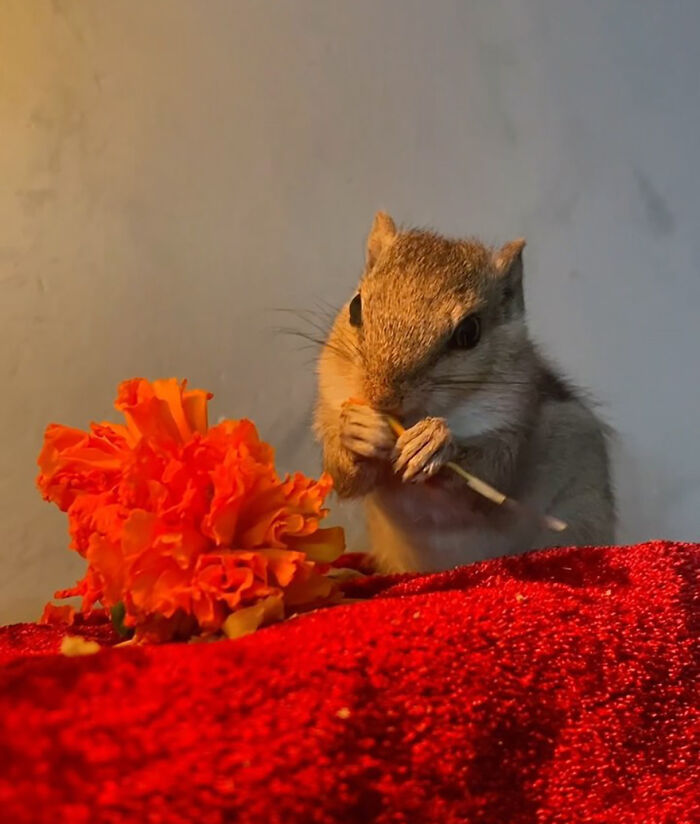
(425, 527)
(429, 505)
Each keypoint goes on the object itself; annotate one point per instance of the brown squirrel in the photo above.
(436, 336)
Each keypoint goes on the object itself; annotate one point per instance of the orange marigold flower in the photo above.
(63, 615)
(183, 525)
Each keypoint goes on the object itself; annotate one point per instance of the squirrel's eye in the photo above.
(356, 311)
(467, 333)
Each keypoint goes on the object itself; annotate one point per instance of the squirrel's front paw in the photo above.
(365, 432)
(423, 450)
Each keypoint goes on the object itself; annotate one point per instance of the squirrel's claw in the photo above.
(423, 450)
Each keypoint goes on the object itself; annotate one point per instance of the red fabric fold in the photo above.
(560, 686)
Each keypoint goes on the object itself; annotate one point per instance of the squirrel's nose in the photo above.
(384, 398)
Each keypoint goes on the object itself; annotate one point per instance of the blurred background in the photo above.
(173, 172)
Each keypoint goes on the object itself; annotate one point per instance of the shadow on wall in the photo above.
(651, 491)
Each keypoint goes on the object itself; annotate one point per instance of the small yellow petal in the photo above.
(73, 646)
(304, 593)
(244, 621)
(323, 546)
(273, 609)
(344, 574)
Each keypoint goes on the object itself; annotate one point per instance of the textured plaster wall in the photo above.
(172, 171)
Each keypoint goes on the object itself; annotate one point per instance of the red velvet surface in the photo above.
(559, 686)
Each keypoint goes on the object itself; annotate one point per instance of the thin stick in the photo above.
(487, 491)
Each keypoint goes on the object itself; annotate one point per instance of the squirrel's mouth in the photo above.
(413, 406)
(409, 415)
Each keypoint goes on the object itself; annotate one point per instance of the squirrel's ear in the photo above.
(508, 265)
(381, 234)
(508, 260)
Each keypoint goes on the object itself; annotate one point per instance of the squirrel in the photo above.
(436, 336)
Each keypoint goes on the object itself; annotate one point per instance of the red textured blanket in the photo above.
(559, 686)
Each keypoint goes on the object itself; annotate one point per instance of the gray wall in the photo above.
(172, 171)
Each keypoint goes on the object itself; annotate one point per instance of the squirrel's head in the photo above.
(435, 320)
